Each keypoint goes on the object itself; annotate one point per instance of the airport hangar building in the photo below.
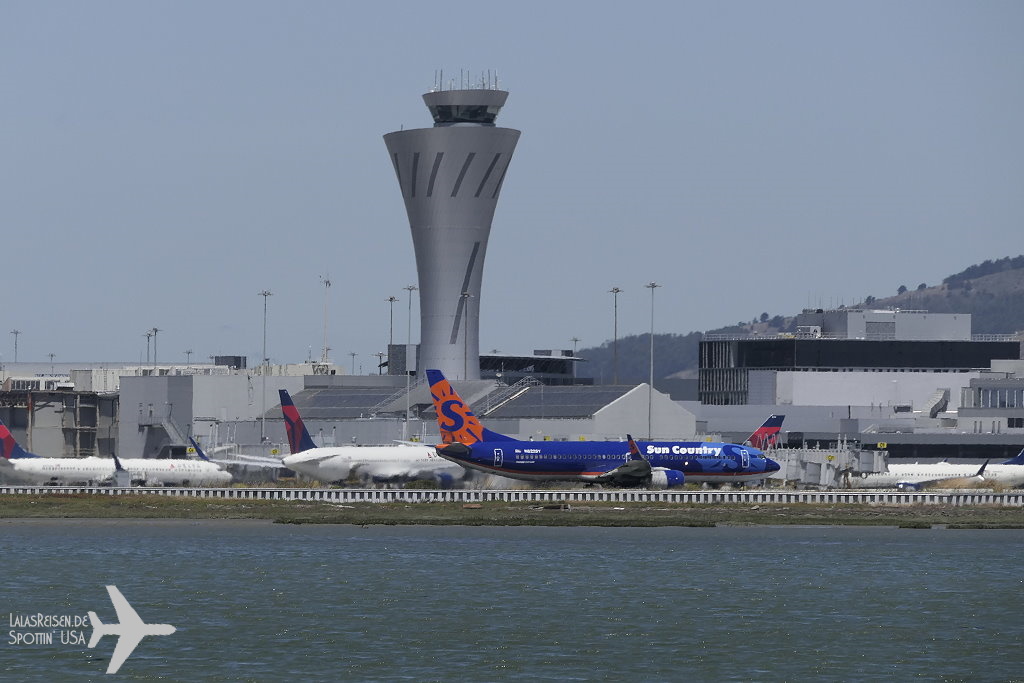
(914, 383)
(151, 411)
(955, 411)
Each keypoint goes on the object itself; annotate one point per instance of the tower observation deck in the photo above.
(450, 177)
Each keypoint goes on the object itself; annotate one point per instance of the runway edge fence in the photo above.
(958, 498)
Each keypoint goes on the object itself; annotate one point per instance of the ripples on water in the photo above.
(256, 601)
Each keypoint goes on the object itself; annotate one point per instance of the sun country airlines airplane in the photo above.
(945, 475)
(367, 463)
(655, 464)
(20, 465)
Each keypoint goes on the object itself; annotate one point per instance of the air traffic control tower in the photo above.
(450, 177)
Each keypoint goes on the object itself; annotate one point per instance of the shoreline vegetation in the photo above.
(86, 506)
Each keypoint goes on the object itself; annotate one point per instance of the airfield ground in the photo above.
(84, 506)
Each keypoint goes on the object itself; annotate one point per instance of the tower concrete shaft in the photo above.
(450, 177)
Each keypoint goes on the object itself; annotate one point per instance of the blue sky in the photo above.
(163, 162)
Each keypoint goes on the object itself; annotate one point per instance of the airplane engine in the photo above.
(662, 478)
(445, 480)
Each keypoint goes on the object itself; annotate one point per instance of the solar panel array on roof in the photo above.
(339, 402)
(559, 401)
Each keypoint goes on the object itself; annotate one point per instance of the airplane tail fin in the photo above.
(1017, 459)
(634, 450)
(199, 451)
(454, 418)
(117, 464)
(9, 448)
(767, 435)
(97, 629)
(299, 439)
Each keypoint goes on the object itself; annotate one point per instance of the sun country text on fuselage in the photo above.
(666, 463)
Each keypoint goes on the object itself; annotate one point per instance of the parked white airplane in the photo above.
(945, 475)
(368, 463)
(129, 631)
(19, 465)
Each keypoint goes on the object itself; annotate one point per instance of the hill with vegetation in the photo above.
(992, 292)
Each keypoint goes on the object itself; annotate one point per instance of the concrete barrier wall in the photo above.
(580, 496)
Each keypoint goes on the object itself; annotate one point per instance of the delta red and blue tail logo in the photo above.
(7, 442)
(454, 418)
(299, 439)
(767, 435)
(293, 426)
(9, 448)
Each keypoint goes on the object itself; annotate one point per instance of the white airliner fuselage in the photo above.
(93, 470)
(942, 474)
(378, 463)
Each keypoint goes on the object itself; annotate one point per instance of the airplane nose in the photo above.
(455, 450)
(771, 466)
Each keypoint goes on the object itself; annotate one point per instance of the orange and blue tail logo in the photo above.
(9, 448)
(767, 435)
(299, 439)
(455, 420)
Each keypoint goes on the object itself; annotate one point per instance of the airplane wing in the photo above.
(385, 471)
(125, 613)
(314, 457)
(250, 461)
(125, 645)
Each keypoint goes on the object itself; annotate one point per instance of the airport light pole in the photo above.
(15, 333)
(391, 328)
(266, 366)
(51, 355)
(327, 290)
(408, 345)
(650, 385)
(574, 341)
(188, 357)
(353, 354)
(149, 336)
(615, 333)
(154, 331)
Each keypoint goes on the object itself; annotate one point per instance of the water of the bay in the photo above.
(258, 601)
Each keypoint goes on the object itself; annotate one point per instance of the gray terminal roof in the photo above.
(333, 403)
(557, 402)
(539, 401)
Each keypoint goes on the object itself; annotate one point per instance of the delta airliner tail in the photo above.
(454, 418)
(299, 439)
(767, 435)
(9, 448)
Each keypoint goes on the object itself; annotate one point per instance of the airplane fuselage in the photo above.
(942, 473)
(379, 463)
(93, 470)
(701, 462)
